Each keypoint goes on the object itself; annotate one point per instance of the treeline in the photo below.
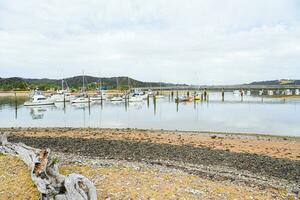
(75, 83)
(277, 82)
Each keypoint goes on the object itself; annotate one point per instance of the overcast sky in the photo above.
(180, 41)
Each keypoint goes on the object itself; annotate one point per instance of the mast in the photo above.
(83, 89)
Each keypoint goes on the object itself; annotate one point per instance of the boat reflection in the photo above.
(37, 112)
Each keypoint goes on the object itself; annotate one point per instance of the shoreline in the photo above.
(261, 165)
(267, 145)
(111, 92)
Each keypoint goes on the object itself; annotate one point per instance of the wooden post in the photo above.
(223, 94)
(205, 94)
(16, 106)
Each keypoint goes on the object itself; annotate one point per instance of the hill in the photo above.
(91, 82)
(277, 82)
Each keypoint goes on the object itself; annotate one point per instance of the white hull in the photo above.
(116, 99)
(159, 97)
(136, 99)
(40, 103)
(81, 100)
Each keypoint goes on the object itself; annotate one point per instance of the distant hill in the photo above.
(18, 83)
(277, 82)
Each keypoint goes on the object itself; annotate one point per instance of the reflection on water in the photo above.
(233, 114)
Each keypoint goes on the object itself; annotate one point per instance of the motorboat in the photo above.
(183, 98)
(81, 98)
(150, 93)
(117, 98)
(38, 99)
(159, 96)
(236, 92)
(136, 98)
(270, 92)
(61, 96)
(197, 97)
(288, 92)
(98, 97)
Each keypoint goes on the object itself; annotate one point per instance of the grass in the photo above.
(15, 180)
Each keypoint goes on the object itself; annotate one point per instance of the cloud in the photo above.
(193, 41)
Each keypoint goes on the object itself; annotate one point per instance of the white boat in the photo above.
(248, 93)
(83, 97)
(117, 98)
(150, 93)
(261, 92)
(98, 97)
(135, 98)
(159, 97)
(184, 98)
(37, 100)
(61, 96)
(270, 92)
(81, 100)
(236, 92)
(297, 92)
(288, 92)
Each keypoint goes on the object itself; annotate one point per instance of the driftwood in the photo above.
(45, 174)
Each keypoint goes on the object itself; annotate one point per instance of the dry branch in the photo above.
(45, 174)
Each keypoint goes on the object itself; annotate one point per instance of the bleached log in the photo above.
(45, 174)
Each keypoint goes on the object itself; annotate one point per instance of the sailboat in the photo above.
(99, 96)
(117, 98)
(159, 96)
(62, 95)
(83, 97)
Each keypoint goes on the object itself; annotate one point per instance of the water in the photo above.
(252, 115)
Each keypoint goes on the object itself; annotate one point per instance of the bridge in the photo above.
(221, 87)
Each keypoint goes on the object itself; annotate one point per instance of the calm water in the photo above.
(253, 114)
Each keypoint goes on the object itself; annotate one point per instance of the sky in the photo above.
(180, 41)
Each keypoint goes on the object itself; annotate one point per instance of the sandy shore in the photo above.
(143, 164)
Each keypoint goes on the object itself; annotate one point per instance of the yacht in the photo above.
(83, 97)
(98, 97)
(38, 99)
(116, 98)
(136, 98)
(183, 98)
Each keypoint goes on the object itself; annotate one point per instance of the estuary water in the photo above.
(248, 115)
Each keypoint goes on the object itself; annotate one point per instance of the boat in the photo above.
(98, 97)
(150, 93)
(236, 92)
(297, 92)
(135, 98)
(183, 98)
(139, 94)
(159, 96)
(288, 92)
(81, 100)
(270, 92)
(248, 93)
(38, 99)
(62, 95)
(83, 97)
(197, 97)
(117, 98)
